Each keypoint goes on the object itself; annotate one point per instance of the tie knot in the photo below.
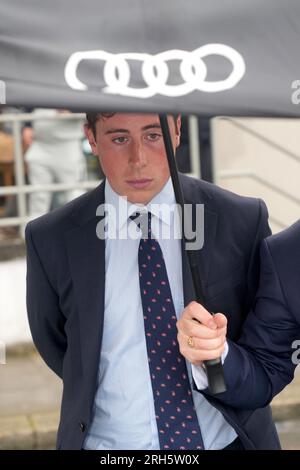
(143, 221)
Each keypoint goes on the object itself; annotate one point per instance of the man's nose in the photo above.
(138, 156)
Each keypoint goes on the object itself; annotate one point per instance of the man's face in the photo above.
(132, 153)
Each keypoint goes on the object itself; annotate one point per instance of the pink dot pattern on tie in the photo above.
(177, 422)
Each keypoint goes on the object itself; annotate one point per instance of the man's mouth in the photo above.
(140, 183)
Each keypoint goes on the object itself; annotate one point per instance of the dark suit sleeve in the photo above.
(271, 328)
(248, 384)
(262, 359)
(45, 318)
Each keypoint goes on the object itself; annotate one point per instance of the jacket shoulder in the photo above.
(66, 216)
(222, 200)
(284, 249)
(286, 240)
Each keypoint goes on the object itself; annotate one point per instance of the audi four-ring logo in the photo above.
(155, 71)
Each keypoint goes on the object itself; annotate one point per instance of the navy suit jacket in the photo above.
(271, 328)
(65, 296)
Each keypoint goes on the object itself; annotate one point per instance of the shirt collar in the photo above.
(124, 208)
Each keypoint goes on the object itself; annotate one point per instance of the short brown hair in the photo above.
(93, 117)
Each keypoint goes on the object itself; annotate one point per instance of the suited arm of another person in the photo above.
(45, 317)
(269, 331)
(260, 364)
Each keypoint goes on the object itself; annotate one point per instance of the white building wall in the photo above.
(260, 158)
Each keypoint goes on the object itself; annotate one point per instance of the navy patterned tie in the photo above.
(176, 418)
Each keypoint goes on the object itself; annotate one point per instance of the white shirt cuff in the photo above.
(199, 374)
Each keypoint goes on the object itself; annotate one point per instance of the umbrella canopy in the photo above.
(235, 57)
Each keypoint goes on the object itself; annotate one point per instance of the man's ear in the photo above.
(91, 138)
(178, 130)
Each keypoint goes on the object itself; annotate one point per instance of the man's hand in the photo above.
(202, 341)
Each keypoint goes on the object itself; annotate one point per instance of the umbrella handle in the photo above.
(214, 367)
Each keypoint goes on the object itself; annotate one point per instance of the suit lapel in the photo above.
(204, 255)
(86, 253)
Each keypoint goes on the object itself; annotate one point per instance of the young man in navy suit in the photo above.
(89, 306)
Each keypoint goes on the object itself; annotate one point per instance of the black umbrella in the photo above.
(235, 57)
(214, 368)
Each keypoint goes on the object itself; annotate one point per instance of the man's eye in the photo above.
(154, 136)
(120, 140)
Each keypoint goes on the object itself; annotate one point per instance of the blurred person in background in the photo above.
(55, 156)
(204, 141)
(8, 204)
